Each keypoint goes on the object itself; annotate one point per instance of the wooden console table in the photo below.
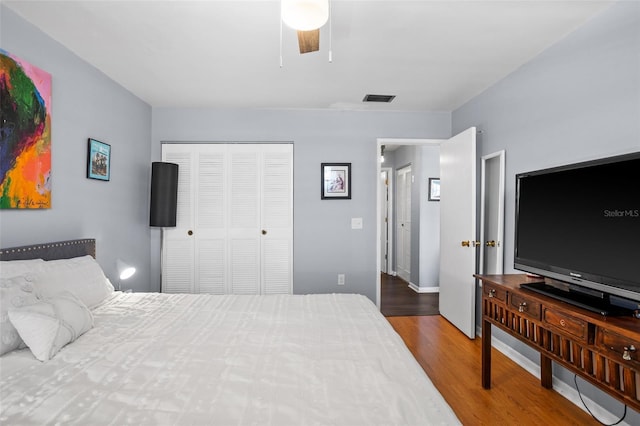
(605, 351)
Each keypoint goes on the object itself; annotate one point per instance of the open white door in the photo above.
(458, 230)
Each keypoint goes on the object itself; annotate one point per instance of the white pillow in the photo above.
(13, 268)
(14, 293)
(47, 326)
(81, 276)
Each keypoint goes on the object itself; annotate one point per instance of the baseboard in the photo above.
(563, 388)
(418, 289)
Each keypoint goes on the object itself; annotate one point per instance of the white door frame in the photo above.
(389, 205)
(387, 142)
(500, 155)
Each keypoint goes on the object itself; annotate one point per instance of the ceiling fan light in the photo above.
(305, 15)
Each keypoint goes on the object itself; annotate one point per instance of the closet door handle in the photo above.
(189, 232)
(264, 232)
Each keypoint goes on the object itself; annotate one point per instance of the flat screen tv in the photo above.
(579, 225)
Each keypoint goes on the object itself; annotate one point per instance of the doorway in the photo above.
(404, 271)
(458, 239)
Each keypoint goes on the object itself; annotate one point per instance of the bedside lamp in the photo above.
(125, 271)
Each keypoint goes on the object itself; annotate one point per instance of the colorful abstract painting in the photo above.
(25, 135)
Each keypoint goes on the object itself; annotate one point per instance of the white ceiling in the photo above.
(433, 55)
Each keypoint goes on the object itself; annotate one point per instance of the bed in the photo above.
(185, 359)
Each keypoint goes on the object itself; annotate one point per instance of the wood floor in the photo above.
(452, 361)
(397, 299)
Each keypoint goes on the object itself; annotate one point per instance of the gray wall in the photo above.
(86, 103)
(578, 100)
(324, 243)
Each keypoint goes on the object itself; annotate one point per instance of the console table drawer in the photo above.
(621, 347)
(493, 292)
(568, 324)
(525, 305)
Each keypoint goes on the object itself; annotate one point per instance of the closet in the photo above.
(234, 231)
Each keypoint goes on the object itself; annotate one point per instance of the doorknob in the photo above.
(189, 232)
(470, 243)
(264, 232)
(491, 243)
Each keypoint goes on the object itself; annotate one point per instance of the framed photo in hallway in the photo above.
(335, 181)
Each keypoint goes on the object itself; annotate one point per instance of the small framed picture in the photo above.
(335, 179)
(98, 160)
(434, 189)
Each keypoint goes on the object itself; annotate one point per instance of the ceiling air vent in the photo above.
(378, 98)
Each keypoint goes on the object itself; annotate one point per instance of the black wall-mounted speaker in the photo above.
(164, 194)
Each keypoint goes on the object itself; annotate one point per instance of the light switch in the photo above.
(356, 223)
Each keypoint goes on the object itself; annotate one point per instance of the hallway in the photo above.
(397, 299)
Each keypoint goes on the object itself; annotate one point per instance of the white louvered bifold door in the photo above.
(234, 232)
(277, 219)
(244, 219)
(210, 233)
(177, 247)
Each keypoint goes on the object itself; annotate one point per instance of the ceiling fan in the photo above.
(307, 17)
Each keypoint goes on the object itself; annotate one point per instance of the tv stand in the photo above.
(599, 305)
(604, 350)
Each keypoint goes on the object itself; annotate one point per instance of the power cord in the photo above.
(575, 380)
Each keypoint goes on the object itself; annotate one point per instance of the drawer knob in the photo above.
(522, 307)
(626, 355)
(492, 293)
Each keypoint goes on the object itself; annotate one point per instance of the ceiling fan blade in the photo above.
(309, 41)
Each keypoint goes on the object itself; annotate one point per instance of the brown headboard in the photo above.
(51, 251)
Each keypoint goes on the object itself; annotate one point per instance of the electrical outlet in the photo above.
(340, 279)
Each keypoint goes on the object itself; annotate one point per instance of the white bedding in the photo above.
(226, 360)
